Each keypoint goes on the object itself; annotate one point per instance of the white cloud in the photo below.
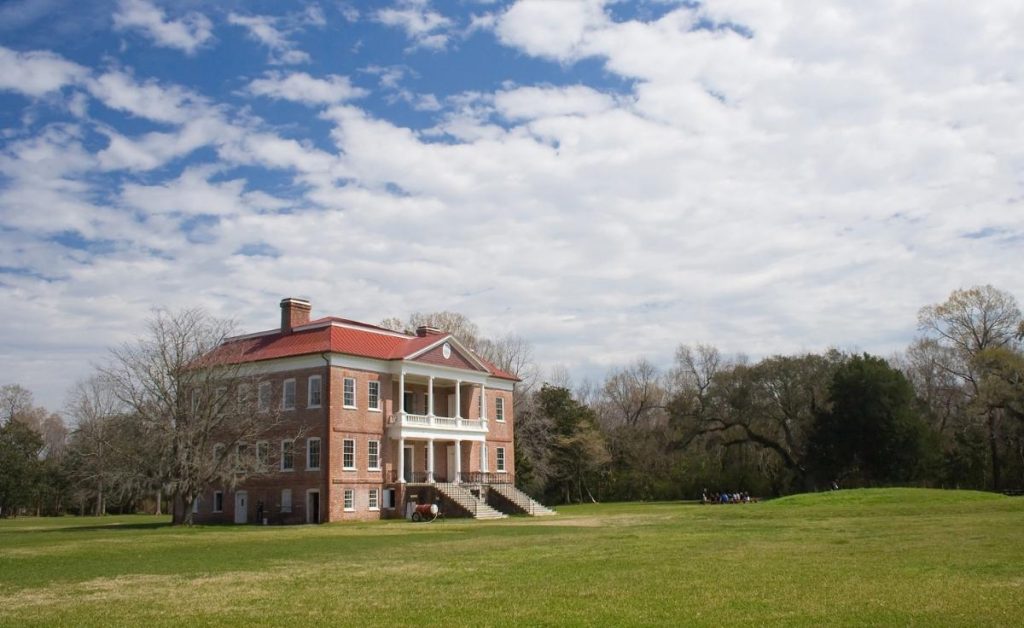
(38, 72)
(187, 34)
(425, 27)
(272, 32)
(555, 30)
(301, 87)
(539, 102)
(119, 90)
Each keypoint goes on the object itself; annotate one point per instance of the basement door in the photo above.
(241, 507)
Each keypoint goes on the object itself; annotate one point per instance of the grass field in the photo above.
(894, 556)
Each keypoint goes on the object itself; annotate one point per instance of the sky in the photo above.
(608, 180)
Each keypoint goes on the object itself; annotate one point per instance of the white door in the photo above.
(241, 507)
(451, 463)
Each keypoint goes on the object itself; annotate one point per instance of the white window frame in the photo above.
(370, 385)
(195, 506)
(285, 385)
(286, 504)
(309, 453)
(263, 397)
(310, 403)
(216, 495)
(499, 460)
(345, 392)
(287, 449)
(263, 453)
(499, 409)
(349, 500)
(352, 457)
(373, 455)
(373, 499)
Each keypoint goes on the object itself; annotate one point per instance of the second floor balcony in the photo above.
(407, 423)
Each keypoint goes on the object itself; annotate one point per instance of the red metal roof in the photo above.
(336, 335)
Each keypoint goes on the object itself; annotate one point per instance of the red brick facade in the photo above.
(359, 425)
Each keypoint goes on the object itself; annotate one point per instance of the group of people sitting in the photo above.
(726, 498)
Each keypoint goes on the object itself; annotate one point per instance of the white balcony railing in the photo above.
(406, 419)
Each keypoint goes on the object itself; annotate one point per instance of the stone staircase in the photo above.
(472, 504)
(521, 500)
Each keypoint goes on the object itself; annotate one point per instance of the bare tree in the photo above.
(190, 392)
(969, 322)
(634, 395)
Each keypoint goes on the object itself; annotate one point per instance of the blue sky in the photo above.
(606, 179)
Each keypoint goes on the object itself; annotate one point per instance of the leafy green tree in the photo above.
(872, 432)
(20, 466)
(577, 447)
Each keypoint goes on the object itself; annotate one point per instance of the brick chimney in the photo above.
(294, 312)
(427, 330)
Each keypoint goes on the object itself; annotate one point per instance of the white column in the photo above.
(458, 461)
(483, 402)
(430, 395)
(401, 391)
(401, 460)
(458, 399)
(430, 460)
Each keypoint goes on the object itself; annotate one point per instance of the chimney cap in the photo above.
(427, 330)
(296, 302)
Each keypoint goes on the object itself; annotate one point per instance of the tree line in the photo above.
(947, 411)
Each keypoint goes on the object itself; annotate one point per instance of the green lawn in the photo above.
(899, 556)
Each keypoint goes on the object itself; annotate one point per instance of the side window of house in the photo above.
(286, 500)
(373, 501)
(287, 461)
(500, 459)
(373, 455)
(499, 409)
(313, 398)
(218, 501)
(349, 400)
(288, 395)
(350, 502)
(348, 454)
(313, 454)
(373, 395)
(264, 397)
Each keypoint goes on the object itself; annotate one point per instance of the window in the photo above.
(389, 498)
(313, 396)
(195, 506)
(483, 458)
(501, 459)
(350, 502)
(373, 499)
(263, 453)
(373, 396)
(499, 410)
(218, 501)
(218, 453)
(348, 454)
(241, 456)
(373, 455)
(264, 397)
(287, 463)
(407, 398)
(244, 395)
(195, 400)
(288, 394)
(349, 399)
(313, 454)
(286, 500)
